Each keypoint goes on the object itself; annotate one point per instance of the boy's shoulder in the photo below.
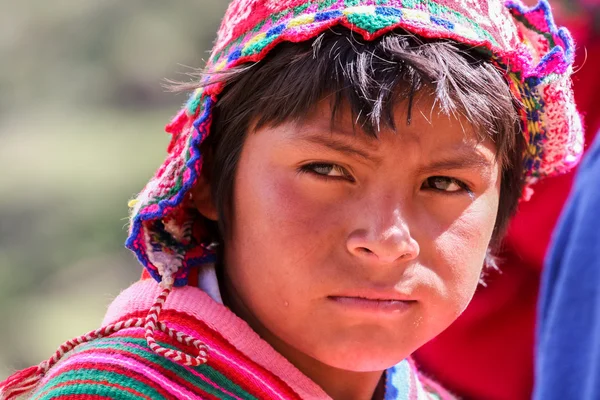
(120, 367)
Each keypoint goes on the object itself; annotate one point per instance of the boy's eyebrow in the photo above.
(339, 145)
(464, 160)
(460, 160)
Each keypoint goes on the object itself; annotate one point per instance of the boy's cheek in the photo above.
(291, 207)
(460, 249)
(463, 248)
(279, 225)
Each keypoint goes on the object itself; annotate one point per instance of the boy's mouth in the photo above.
(373, 302)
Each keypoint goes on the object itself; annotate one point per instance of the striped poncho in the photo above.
(240, 364)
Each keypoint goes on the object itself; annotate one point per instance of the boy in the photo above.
(336, 182)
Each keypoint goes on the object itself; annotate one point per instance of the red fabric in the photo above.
(488, 352)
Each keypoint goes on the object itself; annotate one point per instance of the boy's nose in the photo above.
(385, 246)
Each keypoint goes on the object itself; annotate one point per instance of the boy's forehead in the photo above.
(432, 147)
(426, 123)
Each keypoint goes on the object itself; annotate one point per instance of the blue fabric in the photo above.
(398, 382)
(568, 332)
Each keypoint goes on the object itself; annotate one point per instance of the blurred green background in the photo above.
(82, 110)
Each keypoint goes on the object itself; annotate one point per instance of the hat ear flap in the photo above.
(553, 127)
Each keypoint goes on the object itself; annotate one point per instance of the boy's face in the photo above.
(355, 251)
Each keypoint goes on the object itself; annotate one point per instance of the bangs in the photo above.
(373, 78)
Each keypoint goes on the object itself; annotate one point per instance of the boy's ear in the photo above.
(202, 198)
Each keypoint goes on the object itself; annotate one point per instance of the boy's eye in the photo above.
(444, 184)
(326, 170)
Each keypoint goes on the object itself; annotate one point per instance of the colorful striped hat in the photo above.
(525, 42)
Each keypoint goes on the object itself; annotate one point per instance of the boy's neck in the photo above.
(337, 383)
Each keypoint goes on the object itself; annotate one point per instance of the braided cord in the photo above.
(180, 357)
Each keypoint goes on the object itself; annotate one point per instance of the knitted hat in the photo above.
(535, 54)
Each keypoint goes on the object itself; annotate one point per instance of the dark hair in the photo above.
(372, 77)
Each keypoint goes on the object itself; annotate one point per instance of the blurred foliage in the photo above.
(82, 109)
(106, 52)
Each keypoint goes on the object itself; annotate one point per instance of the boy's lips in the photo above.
(375, 294)
(373, 301)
